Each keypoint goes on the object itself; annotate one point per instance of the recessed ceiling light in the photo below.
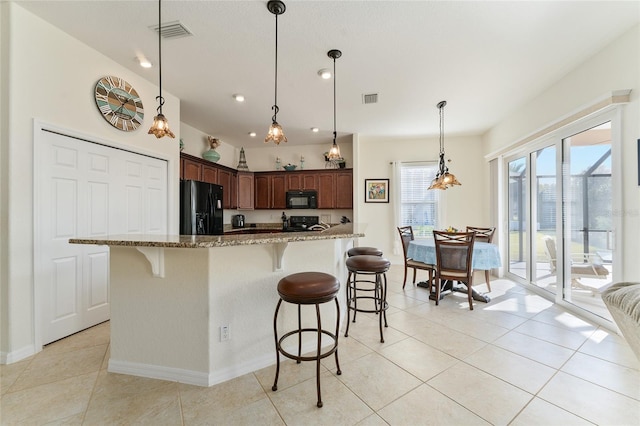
(315, 129)
(144, 62)
(252, 134)
(238, 97)
(325, 73)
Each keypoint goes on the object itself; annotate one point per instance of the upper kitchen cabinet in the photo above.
(301, 181)
(335, 189)
(228, 179)
(246, 190)
(344, 189)
(190, 168)
(194, 168)
(270, 190)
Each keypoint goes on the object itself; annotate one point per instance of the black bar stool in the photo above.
(364, 251)
(308, 288)
(367, 273)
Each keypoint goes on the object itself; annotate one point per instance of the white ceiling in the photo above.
(484, 58)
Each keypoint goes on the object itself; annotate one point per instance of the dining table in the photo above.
(485, 256)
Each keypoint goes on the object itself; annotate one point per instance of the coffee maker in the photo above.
(237, 221)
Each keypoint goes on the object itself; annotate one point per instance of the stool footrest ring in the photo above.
(330, 351)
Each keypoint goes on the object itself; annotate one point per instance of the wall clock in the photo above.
(119, 103)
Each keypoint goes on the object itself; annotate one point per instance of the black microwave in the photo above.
(302, 200)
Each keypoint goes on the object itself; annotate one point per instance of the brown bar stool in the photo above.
(364, 251)
(307, 288)
(367, 274)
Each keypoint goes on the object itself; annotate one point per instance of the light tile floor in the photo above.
(517, 360)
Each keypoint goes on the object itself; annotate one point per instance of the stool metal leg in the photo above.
(299, 334)
(338, 372)
(318, 354)
(275, 333)
(346, 332)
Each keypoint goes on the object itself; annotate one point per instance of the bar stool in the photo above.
(364, 251)
(308, 288)
(363, 271)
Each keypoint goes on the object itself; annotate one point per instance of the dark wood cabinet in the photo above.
(344, 189)
(210, 174)
(194, 168)
(270, 189)
(326, 190)
(246, 188)
(267, 190)
(228, 180)
(190, 169)
(301, 181)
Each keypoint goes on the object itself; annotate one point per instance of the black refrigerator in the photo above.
(200, 208)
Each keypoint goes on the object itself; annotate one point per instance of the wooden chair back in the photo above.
(484, 235)
(406, 235)
(454, 254)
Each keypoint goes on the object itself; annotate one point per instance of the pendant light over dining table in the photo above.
(334, 152)
(276, 134)
(160, 126)
(443, 179)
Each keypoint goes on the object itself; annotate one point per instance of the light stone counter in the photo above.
(166, 319)
(348, 230)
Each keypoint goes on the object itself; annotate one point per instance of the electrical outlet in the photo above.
(225, 333)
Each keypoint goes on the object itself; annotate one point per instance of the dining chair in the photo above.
(406, 235)
(484, 235)
(454, 253)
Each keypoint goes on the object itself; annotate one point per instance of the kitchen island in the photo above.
(170, 296)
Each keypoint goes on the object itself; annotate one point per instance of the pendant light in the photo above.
(160, 126)
(443, 179)
(276, 134)
(334, 152)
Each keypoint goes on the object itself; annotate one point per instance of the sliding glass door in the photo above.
(587, 217)
(559, 207)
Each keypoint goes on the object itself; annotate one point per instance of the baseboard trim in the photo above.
(180, 375)
(19, 355)
(199, 378)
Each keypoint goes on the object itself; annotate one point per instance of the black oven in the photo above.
(302, 200)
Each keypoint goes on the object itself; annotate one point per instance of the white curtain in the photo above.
(396, 199)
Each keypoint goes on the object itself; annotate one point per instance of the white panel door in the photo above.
(89, 190)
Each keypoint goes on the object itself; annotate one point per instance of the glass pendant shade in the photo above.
(276, 134)
(160, 127)
(334, 152)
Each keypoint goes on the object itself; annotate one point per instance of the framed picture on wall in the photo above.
(376, 190)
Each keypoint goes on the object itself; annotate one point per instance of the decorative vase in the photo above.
(211, 155)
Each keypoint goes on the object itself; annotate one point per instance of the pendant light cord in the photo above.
(334, 101)
(159, 98)
(275, 104)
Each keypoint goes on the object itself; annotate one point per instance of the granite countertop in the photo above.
(348, 230)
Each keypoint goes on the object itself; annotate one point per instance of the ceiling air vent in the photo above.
(173, 30)
(371, 98)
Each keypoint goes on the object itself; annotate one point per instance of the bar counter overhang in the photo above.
(171, 294)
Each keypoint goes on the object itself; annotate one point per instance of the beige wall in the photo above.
(616, 67)
(196, 143)
(44, 82)
(464, 205)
